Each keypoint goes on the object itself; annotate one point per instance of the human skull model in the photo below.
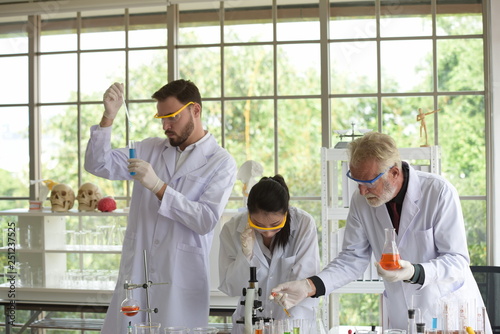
(88, 196)
(62, 197)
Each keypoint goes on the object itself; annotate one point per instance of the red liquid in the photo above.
(390, 261)
(130, 311)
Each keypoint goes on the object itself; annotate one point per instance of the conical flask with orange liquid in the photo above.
(390, 252)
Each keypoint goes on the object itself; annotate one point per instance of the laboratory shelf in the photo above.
(41, 238)
(72, 212)
(110, 250)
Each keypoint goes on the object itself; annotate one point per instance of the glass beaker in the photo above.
(147, 328)
(176, 330)
(394, 331)
(205, 330)
(129, 306)
(390, 252)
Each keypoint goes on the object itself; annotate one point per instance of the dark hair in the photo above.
(184, 90)
(271, 194)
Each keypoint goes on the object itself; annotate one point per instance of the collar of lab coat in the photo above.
(410, 207)
(202, 149)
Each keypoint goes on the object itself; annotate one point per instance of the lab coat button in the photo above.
(157, 242)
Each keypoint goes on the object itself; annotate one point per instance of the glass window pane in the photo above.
(297, 22)
(103, 31)
(212, 118)
(147, 28)
(405, 18)
(352, 21)
(205, 74)
(142, 122)
(459, 18)
(353, 67)
(147, 72)
(58, 34)
(14, 91)
(199, 26)
(247, 24)
(13, 35)
(399, 118)
(475, 226)
(14, 150)
(249, 129)
(463, 143)
(91, 115)
(59, 155)
(353, 116)
(299, 69)
(349, 312)
(406, 66)
(248, 70)
(58, 77)
(460, 65)
(299, 140)
(99, 70)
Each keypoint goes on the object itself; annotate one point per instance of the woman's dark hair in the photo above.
(271, 194)
(184, 90)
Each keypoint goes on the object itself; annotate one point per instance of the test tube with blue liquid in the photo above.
(131, 150)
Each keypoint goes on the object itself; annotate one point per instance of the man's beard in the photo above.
(388, 194)
(184, 135)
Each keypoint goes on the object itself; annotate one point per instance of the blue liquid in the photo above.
(132, 156)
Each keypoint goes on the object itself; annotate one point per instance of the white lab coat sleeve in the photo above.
(448, 236)
(203, 214)
(354, 258)
(233, 264)
(101, 160)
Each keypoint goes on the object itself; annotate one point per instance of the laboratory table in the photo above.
(38, 321)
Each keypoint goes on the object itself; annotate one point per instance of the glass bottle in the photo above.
(412, 327)
(129, 306)
(390, 253)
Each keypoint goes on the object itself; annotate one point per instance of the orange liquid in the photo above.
(390, 261)
(258, 331)
(130, 311)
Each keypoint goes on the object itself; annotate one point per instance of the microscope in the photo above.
(251, 302)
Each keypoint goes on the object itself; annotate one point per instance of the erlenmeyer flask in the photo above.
(390, 253)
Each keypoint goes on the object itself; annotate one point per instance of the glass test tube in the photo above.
(131, 149)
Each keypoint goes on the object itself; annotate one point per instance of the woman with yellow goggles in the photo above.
(278, 239)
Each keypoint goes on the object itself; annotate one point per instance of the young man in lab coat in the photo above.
(181, 186)
(430, 237)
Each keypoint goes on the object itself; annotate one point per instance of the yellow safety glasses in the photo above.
(174, 117)
(252, 225)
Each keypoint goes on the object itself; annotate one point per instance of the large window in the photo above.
(266, 73)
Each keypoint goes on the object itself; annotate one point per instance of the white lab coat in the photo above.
(431, 232)
(298, 260)
(176, 232)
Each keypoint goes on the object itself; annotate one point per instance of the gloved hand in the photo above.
(247, 239)
(113, 99)
(405, 273)
(145, 174)
(291, 293)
